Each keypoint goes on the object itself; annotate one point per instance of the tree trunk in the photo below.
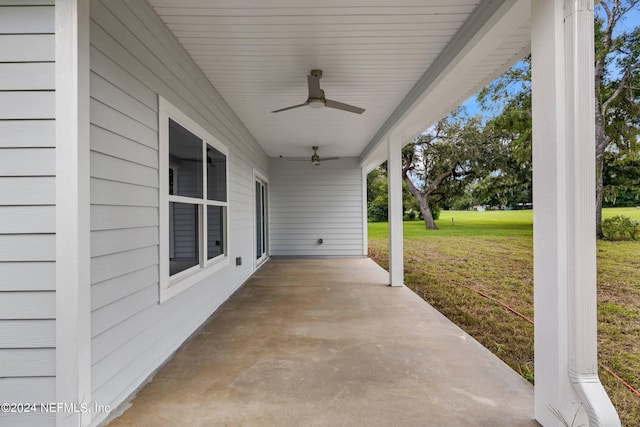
(602, 141)
(423, 200)
(599, 191)
(426, 213)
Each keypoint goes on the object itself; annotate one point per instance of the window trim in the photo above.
(170, 286)
(258, 262)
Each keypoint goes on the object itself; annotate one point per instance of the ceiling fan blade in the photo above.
(314, 87)
(290, 108)
(326, 159)
(341, 106)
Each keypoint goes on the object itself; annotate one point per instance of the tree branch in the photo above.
(412, 188)
(436, 182)
(607, 40)
(620, 87)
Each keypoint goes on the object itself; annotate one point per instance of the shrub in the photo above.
(410, 215)
(377, 210)
(620, 228)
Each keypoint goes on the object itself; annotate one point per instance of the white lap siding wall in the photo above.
(27, 208)
(310, 202)
(133, 60)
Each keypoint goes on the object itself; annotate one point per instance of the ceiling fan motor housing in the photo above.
(317, 99)
(315, 158)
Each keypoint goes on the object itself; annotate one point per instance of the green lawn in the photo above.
(493, 252)
(487, 223)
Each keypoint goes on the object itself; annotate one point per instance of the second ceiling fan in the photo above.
(316, 98)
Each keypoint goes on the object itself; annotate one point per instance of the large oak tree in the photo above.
(617, 87)
(443, 160)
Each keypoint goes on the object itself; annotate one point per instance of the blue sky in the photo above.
(632, 20)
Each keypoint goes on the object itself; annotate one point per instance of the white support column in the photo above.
(73, 337)
(564, 209)
(581, 135)
(365, 223)
(394, 177)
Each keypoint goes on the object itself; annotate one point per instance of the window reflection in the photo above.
(183, 236)
(216, 175)
(215, 231)
(185, 158)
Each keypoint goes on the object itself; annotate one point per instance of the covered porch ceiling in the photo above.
(407, 62)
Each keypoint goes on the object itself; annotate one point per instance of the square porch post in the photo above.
(394, 177)
(73, 316)
(566, 366)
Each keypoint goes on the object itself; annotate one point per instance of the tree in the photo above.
(377, 194)
(621, 180)
(617, 91)
(439, 163)
(511, 184)
(617, 88)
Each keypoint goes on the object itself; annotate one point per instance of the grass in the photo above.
(493, 252)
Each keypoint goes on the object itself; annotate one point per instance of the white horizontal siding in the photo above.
(109, 143)
(105, 217)
(133, 60)
(27, 133)
(27, 47)
(27, 20)
(27, 208)
(27, 333)
(27, 105)
(28, 305)
(27, 247)
(120, 310)
(27, 76)
(20, 362)
(27, 219)
(105, 192)
(116, 98)
(114, 265)
(309, 203)
(112, 120)
(119, 77)
(115, 169)
(32, 276)
(114, 241)
(42, 389)
(27, 161)
(27, 190)
(108, 291)
(29, 419)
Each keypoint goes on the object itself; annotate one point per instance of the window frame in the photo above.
(258, 177)
(171, 285)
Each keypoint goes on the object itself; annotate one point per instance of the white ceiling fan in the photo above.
(316, 98)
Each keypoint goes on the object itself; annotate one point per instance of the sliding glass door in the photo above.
(261, 221)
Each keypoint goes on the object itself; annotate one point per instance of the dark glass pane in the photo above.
(215, 231)
(216, 175)
(183, 237)
(258, 220)
(264, 221)
(185, 162)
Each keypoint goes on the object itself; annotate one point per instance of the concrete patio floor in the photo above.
(324, 342)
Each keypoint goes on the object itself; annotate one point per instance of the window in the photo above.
(193, 202)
